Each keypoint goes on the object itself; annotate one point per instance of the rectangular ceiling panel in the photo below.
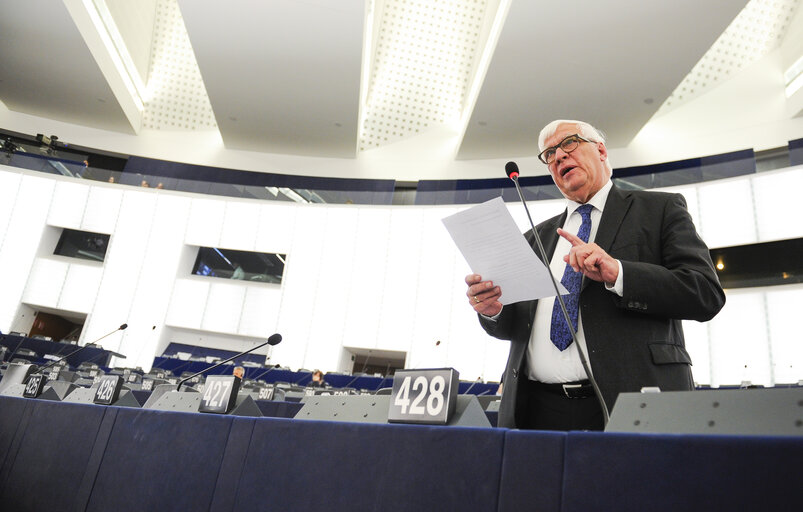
(282, 76)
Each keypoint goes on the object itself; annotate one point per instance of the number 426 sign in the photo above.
(423, 396)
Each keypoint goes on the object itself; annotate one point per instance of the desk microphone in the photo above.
(471, 386)
(275, 339)
(121, 328)
(512, 171)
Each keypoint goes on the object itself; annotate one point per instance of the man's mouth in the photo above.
(566, 170)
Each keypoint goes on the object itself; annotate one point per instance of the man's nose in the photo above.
(560, 154)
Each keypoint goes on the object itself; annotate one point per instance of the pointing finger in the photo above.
(573, 239)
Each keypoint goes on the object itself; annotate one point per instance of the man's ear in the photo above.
(603, 151)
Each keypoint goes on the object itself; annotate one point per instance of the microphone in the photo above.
(512, 171)
(274, 339)
(121, 328)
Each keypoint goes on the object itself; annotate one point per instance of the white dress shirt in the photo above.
(546, 363)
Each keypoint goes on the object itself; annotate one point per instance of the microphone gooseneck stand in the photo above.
(512, 171)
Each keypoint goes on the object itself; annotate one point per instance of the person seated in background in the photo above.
(238, 273)
(317, 380)
(239, 371)
(144, 184)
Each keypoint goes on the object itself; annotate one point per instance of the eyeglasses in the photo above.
(568, 145)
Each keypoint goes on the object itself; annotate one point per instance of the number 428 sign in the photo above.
(423, 396)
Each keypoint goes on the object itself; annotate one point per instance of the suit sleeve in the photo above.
(676, 278)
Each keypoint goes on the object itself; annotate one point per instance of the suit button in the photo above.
(630, 304)
(516, 374)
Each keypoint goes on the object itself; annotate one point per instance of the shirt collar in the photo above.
(597, 201)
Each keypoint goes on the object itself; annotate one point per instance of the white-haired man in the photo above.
(635, 267)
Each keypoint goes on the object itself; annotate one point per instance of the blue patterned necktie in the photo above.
(559, 332)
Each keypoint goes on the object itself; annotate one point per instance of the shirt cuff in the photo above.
(492, 318)
(618, 287)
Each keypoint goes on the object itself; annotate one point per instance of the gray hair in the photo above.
(585, 129)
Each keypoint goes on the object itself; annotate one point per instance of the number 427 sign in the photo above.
(423, 396)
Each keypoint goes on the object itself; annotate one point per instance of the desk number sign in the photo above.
(108, 390)
(220, 394)
(423, 396)
(34, 386)
(266, 393)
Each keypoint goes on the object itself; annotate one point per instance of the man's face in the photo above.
(581, 173)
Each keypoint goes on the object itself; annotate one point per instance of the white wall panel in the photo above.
(784, 305)
(436, 290)
(102, 208)
(67, 207)
(157, 274)
(239, 224)
(739, 344)
(80, 287)
(778, 215)
(260, 311)
(367, 275)
(274, 232)
(401, 286)
(21, 240)
(726, 213)
(206, 222)
(334, 285)
(123, 269)
(699, 348)
(223, 307)
(300, 284)
(9, 184)
(45, 282)
(188, 302)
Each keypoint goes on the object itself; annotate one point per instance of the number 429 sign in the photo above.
(423, 396)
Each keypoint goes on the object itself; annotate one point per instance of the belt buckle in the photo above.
(568, 387)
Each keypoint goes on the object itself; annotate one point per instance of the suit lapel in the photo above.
(616, 207)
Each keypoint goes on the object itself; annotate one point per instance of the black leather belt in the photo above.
(579, 389)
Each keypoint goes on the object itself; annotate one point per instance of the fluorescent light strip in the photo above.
(113, 41)
(793, 77)
(794, 86)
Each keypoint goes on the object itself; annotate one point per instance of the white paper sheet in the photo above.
(493, 247)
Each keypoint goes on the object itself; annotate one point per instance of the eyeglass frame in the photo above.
(560, 144)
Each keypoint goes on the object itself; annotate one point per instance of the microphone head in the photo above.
(512, 170)
(123, 327)
(275, 339)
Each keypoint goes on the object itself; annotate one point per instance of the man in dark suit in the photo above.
(635, 268)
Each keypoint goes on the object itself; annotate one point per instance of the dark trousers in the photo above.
(550, 409)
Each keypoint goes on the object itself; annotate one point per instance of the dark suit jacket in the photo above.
(635, 340)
